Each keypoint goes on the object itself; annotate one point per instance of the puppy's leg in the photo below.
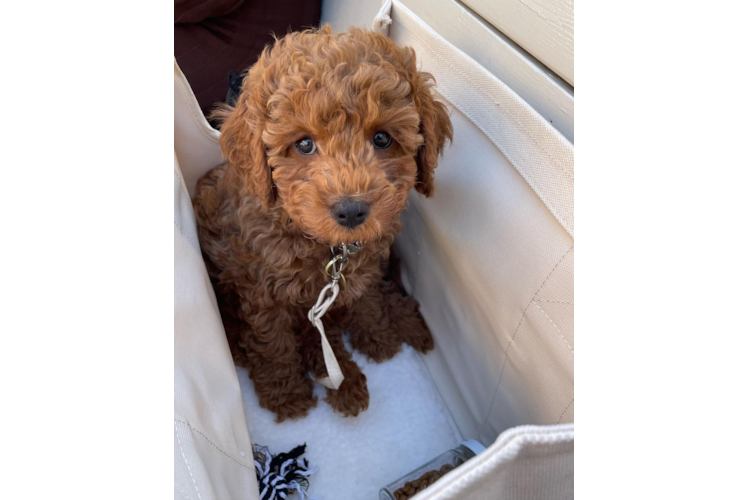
(352, 397)
(275, 364)
(382, 320)
(403, 310)
(371, 325)
(405, 319)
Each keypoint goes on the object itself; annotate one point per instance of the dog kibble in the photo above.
(410, 488)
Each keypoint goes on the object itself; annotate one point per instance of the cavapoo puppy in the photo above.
(326, 139)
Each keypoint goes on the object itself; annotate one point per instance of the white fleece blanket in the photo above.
(406, 425)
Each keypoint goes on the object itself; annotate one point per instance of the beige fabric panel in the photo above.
(543, 157)
(676, 93)
(195, 141)
(490, 257)
(524, 463)
(212, 450)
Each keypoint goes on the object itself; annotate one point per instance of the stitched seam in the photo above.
(555, 301)
(548, 204)
(549, 275)
(506, 352)
(184, 493)
(213, 444)
(503, 366)
(556, 327)
(564, 412)
(179, 441)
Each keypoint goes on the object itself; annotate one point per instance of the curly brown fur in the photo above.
(265, 221)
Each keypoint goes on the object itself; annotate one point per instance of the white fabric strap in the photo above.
(334, 373)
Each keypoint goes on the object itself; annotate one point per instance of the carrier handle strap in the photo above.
(382, 20)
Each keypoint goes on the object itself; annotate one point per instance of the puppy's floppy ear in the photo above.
(241, 139)
(435, 128)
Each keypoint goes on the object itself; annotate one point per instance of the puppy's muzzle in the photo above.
(349, 213)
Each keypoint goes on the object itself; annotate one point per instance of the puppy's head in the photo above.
(335, 130)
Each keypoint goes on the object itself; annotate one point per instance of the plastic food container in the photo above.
(427, 474)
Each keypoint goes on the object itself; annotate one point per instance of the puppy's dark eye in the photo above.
(382, 140)
(306, 146)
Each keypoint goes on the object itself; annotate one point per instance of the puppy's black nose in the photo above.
(350, 213)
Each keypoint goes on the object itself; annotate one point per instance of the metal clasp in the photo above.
(334, 268)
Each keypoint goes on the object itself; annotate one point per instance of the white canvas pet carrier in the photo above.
(497, 292)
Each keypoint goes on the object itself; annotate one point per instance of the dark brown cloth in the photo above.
(195, 11)
(206, 51)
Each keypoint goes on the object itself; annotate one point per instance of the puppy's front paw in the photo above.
(378, 348)
(292, 404)
(416, 334)
(352, 397)
(412, 328)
